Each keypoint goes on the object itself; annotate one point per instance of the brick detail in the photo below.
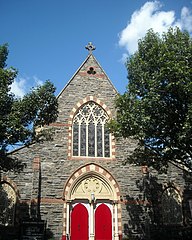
(11, 183)
(36, 163)
(58, 124)
(81, 172)
(58, 165)
(7, 180)
(43, 200)
(87, 169)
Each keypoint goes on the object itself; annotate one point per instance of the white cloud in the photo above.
(18, 87)
(150, 16)
(186, 19)
(22, 85)
(124, 57)
(37, 81)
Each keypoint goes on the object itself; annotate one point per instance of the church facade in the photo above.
(78, 182)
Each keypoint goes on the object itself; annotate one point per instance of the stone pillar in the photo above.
(36, 189)
(67, 218)
(116, 234)
(92, 235)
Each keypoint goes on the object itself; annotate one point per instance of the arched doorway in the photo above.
(93, 191)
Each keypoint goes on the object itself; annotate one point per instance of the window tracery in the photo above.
(171, 206)
(91, 138)
(7, 204)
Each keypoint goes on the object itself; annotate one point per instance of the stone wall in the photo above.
(50, 161)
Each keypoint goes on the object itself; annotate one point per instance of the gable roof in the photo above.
(81, 66)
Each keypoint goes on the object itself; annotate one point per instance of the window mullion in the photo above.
(87, 135)
(103, 143)
(79, 140)
(110, 144)
(95, 139)
(72, 133)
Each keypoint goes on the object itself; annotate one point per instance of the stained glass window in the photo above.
(7, 204)
(99, 141)
(171, 206)
(83, 140)
(106, 142)
(75, 139)
(91, 137)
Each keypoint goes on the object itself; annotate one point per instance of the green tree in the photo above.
(156, 108)
(20, 117)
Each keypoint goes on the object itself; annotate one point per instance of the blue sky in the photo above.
(47, 38)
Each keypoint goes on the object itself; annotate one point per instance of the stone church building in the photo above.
(78, 182)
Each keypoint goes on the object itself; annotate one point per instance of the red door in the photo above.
(79, 223)
(103, 223)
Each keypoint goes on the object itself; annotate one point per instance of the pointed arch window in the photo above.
(171, 206)
(91, 137)
(7, 204)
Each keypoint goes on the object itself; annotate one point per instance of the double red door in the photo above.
(80, 222)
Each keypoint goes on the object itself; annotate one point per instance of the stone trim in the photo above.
(177, 189)
(64, 218)
(119, 219)
(36, 163)
(11, 183)
(91, 158)
(82, 172)
(59, 124)
(86, 170)
(43, 200)
(74, 110)
(175, 186)
(7, 180)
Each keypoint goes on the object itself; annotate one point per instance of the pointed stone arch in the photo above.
(171, 205)
(70, 122)
(88, 172)
(85, 100)
(88, 179)
(9, 199)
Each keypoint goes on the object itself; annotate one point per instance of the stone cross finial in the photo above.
(90, 47)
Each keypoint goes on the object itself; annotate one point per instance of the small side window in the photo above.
(171, 206)
(7, 204)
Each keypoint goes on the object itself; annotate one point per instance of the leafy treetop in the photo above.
(20, 117)
(156, 109)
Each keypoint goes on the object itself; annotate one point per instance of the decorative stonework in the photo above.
(71, 119)
(171, 204)
(85, 100)
(7, 204)
(92, 185)
(60, 169)
(11, 183)
(91, 71)
(90, 47)
(91, 137)
(92, 177)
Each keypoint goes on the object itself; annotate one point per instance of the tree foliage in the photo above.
(156, 109)
(20, 117)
